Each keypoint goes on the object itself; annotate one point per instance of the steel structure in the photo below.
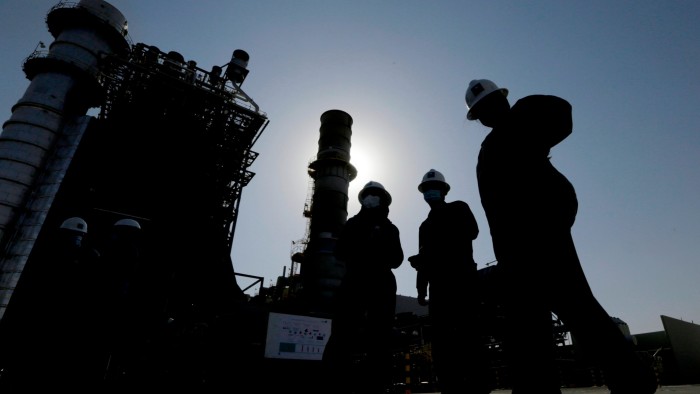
(169, 146)
(331, 173)
(200, 122)
(48, 122)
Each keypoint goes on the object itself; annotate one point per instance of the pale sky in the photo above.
(630, 69)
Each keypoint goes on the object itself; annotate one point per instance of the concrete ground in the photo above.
(683, 389)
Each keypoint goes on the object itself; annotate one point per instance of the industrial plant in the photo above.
(116, 232)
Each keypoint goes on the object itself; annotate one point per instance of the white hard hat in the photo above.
(372, 185)
(75, 224)
(433, 176)
(478, 89)
(128, 223)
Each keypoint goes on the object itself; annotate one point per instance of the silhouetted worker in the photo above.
(77, 296)
(363, 317)
(121, 258)
(531, 207)
(446, 269)
(52, 340)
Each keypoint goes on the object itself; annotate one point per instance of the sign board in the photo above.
(296, 336)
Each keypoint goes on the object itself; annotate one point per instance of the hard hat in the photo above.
(75, 224)
(431, 177)
(478, 89)
(372, 185)
(128, 223)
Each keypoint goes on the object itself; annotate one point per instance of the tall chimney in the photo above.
(37, 143)
(332, 172)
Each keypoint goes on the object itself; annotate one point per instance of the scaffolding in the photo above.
(201, 122)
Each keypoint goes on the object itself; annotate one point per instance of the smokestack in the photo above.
(332, 172)
(37, 143)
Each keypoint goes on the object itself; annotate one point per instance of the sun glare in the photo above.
(366, 159)
(362, 162)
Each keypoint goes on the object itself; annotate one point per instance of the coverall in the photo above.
(446, 268)
(363, 318)
(530, 207)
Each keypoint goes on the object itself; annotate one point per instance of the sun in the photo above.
(361, 160)
(367, 159)
(370, 158)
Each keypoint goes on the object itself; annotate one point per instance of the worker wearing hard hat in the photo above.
(530, 207)
(363, 317)
(72, 233)
(124, 304)
(447, 272)
(122, 255)
(77, 326)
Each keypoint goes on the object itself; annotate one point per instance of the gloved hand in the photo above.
(422, 301)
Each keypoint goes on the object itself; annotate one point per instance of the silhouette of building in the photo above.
(170, 147)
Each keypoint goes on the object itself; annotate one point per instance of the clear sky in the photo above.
(630, 69)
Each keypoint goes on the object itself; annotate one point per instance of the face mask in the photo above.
(371, 201)
(431, 196)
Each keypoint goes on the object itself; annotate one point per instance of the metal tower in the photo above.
(171, 147)
(40, 138)
(332, 173)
